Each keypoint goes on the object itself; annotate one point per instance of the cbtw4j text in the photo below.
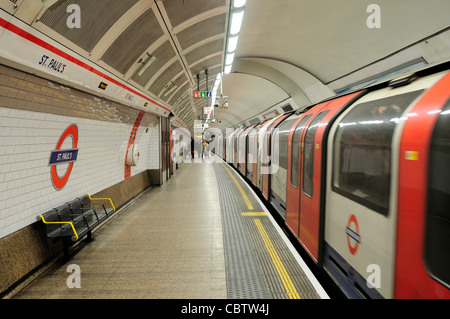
(231, 308)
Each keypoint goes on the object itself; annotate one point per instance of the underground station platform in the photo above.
(204, 234)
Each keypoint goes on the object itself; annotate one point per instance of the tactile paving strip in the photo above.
(251, 259)
(243, 271)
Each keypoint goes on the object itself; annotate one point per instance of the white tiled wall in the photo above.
(34, 113)
(26, 140)
(153, 157)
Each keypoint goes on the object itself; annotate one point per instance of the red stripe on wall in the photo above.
(33, 39)
(131, 141)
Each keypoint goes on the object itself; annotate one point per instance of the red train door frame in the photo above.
(267, 164)
(292, 192)
(311, 198)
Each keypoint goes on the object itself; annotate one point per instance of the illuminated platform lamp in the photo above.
(237, 16)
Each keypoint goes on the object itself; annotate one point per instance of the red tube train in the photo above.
(362, 181)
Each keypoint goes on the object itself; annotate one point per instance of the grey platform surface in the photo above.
(187, 239)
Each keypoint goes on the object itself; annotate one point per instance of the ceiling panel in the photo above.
(165, 78)
(206, 64)
(179, 93)
(130, 45)
(182, 10)
(202, 30)
(163, 54)
(98, 16)
(207, 49)
(181, 81)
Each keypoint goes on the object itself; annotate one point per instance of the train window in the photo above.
(308, 153)
(362, 150)
(296, 150)
(437, 249)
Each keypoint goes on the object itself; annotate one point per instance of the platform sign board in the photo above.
(202, 94)
(207, 110)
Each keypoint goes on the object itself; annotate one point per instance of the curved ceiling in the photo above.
(289, 51)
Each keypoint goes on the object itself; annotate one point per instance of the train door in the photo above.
(362, 188)
(262, 152)
(311, 201)
(230, 147)
(224, 145)
(266, 164)
(292, 186)
(243, 150)
(278, 178)
(253, 154)
(236, 147)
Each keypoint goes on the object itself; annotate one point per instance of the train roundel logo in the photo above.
(353, 236)
(65, 156)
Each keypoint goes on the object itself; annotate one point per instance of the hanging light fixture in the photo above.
(146, 64)
(237, 16)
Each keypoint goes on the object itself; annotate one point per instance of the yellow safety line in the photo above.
(284, 276)
(247, 201)
(71, 224)
(103, 199)
(254, 214)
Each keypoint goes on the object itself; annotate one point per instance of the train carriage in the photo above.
(363, 187)
(362, 181)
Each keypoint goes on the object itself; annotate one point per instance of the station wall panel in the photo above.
(34, 113)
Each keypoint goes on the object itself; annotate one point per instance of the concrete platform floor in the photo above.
(167, 244)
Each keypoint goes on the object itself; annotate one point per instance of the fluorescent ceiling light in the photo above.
(236, 22)
(227, 69)
(232, 43)
(238, 3)
(229, 59)
(146, 65)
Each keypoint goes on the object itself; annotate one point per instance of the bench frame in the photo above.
(76, 219)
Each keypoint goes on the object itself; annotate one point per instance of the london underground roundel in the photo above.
(353, 236)
(64, 156)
